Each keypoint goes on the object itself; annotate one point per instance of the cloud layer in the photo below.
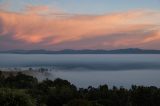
(43, 27)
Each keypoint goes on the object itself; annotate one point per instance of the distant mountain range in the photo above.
(70, 51)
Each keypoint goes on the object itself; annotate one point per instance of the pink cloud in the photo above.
(35, 27)
(152, 37)
(43, 10)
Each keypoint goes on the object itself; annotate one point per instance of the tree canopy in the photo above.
(24, 90)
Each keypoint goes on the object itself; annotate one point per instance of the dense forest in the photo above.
(24, 90)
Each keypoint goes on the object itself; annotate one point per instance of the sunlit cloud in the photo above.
(153, 37)
(51, 27)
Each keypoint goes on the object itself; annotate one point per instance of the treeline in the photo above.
(24, 90)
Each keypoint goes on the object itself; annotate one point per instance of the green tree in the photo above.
(2, 78)
(10, 97)
(79, 102)
(21, 81)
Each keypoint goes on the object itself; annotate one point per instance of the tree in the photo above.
(21, 81)
(10, 97)
(79, 102)
(2, 78)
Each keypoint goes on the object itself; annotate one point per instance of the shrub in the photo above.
(9, 97)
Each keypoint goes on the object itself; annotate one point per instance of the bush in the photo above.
(21, 81)
(10, 97)
(79, 102)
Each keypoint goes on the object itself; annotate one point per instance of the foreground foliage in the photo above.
(24, 90)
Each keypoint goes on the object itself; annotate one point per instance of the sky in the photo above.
(79, 24)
